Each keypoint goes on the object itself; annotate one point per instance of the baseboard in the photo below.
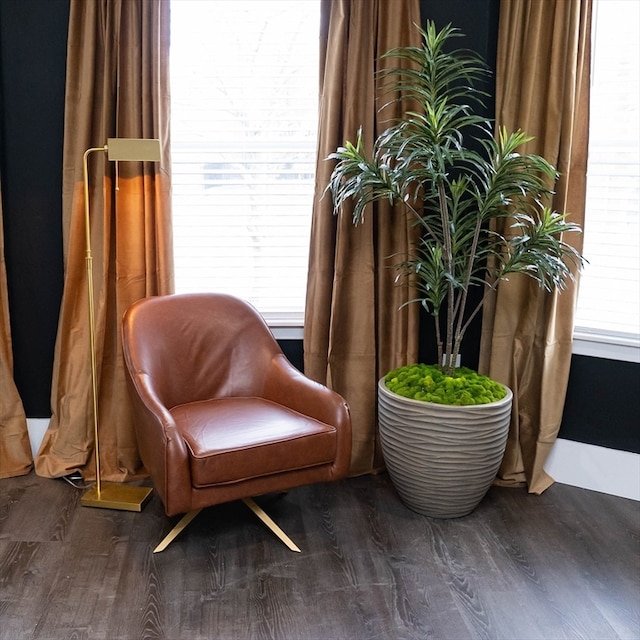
(36, 428)
(600, 469)
(574, 463)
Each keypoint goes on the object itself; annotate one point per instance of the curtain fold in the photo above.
(355, 328)
(117, 86)
(542, 87)
(15, 448)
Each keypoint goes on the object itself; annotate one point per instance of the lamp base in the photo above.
(117, 496)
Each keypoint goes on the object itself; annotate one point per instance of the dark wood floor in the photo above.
(562, 565)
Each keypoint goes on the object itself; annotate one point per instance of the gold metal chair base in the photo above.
(259, 511)
(117, 496)
(170, 537)
(188, 517)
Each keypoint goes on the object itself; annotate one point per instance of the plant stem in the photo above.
(438, 340)
(461, 326)
(448, 256)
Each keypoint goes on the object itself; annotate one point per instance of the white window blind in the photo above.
(244, 91)
(608, 314)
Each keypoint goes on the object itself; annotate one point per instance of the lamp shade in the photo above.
(133, 149)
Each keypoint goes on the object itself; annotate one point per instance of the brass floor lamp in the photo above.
(110, 496)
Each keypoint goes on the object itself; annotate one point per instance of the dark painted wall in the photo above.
(33, 37)
(602, 402)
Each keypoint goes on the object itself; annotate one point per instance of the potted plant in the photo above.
(442, 162)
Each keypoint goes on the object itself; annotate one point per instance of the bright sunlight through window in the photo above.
(244, 93)
(608, 316)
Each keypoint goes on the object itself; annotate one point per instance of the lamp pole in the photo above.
(92, 325)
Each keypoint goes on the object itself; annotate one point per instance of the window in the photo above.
(608, 314)
(244, 92)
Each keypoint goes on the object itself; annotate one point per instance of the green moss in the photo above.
(429, 383)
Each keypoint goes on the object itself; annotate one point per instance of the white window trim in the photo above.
(608, 345)
(286, 333)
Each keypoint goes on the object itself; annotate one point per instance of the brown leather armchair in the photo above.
(220, 413)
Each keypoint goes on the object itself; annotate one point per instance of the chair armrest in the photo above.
(289, 387)
(162, 449)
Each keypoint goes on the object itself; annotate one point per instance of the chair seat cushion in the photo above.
(235, 439)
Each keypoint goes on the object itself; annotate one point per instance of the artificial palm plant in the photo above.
(442, 162)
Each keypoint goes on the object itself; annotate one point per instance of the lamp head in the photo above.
(132, 149)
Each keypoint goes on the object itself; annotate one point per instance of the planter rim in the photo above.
(453, 407)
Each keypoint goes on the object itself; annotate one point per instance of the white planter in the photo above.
(442, 459)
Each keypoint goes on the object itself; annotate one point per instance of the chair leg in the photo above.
(184, 521)
(271, 524)
(259, 511)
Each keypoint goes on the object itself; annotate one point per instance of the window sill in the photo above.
(287, 333)
(585, 343)
(611, 346)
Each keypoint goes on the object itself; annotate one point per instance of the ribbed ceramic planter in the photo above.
(442, 459)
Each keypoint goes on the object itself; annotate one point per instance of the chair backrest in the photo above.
(191, 347)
